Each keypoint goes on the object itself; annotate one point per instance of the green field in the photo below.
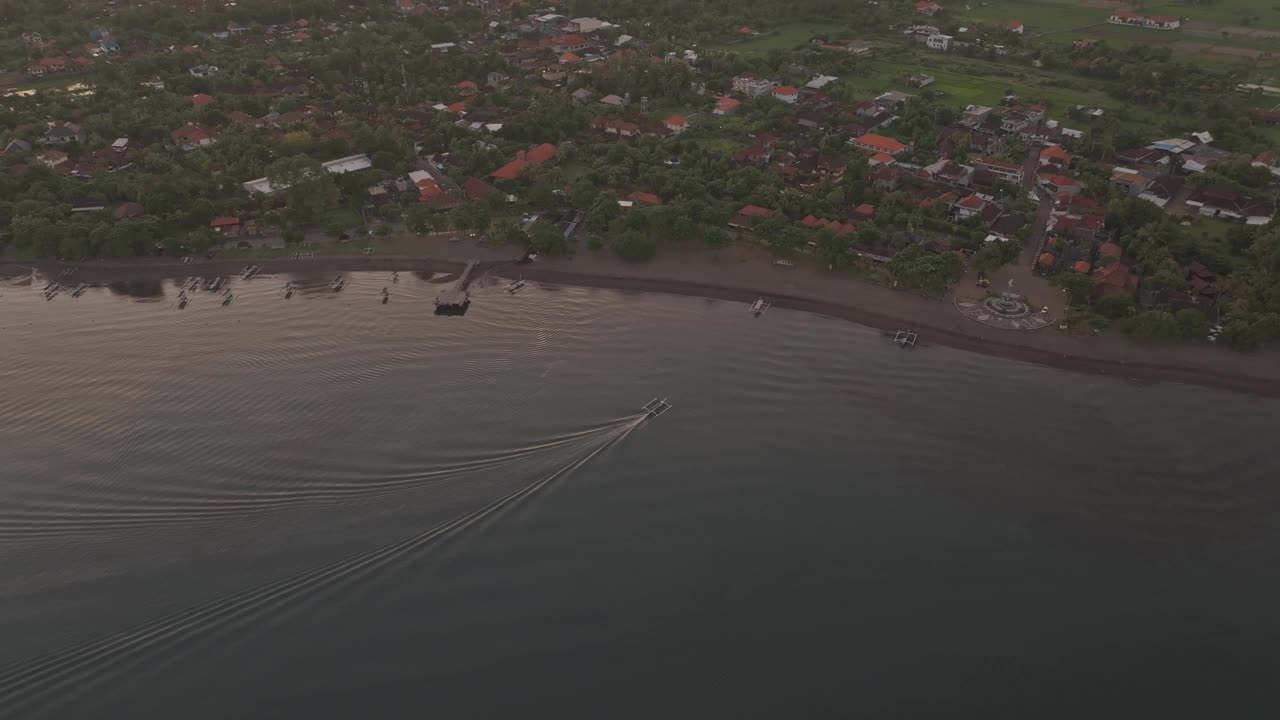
(1040, 16)
(983, 82)
(785, 37)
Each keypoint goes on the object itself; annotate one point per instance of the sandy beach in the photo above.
(744, 273)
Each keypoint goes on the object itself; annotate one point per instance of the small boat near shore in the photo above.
(249, 271)
(760, 307)
(80, 290)
(514, 287)
(338, 283)
(386, 296)
(227, 299)
(216, 285)
(288, 290)
(183, 300)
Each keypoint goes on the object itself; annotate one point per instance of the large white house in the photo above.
(1153, 22)
(753, 85)
(939, 42)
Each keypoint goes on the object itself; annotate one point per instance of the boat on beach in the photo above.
(216, 285)
(386, 296)
(288, 290)
(338, 283)
(514, 287)
(760, 307)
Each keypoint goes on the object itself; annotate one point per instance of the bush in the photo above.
(594, 242)
(1153, 325)
(1115, 306)
(1192, 324)
(633, 246)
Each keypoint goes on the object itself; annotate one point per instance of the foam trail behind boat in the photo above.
(35, 687)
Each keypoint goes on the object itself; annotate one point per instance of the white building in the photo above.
(939, 42)
(753, 85)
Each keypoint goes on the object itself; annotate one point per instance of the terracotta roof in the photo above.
(1014, 24)
(881, 143)
(865, 210)
(201, 100)
(646, 198)
(541, 153)
(725, 104)
(569, 57)
(677, 120)
(1111, 249)
(785, 90)
(753, 210)
(1055, 152)
(1081, 266)
(224, 221)
(466, 85)
(1047, 259)
(476, 189)
(568, 40)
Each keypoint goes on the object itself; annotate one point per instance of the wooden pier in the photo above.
(454, 298)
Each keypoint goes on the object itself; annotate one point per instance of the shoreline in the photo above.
(882, 313)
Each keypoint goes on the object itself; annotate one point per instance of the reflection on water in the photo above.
(354, 509)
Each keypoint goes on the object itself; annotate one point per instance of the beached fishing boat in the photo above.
(338, 283)
(515, 286)
(80, 290)
(226, 299)
(183, 300)
(216, 285)
(760, 307)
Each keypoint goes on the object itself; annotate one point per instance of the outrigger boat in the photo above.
(80, 290)
(386, 295)
(760, 306)
(515, 286)
(249, 271)
(183, 300)
(216, 285)
(656, 407)
(395, 277)
(51, 293)
(226, 299)
(338, 283)
(288, 290)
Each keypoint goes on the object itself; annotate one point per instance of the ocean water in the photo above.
(328, 507)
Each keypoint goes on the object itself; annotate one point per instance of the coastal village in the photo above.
(536, 127)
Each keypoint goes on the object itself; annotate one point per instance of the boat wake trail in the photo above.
(203, 505)
(36, 687)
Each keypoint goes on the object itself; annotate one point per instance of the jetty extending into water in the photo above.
(454, 298)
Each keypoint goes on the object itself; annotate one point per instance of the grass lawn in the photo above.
(984, 82)
(784, 37)
(1039, 16)
(1260, 13)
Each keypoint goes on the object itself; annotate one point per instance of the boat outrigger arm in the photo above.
(656, 407)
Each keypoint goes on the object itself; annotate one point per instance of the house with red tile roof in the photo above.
(786, 93)
(202, 100)
(467, 88)
(1055, 183)
(191, 137)
(226, 226)
(726, 105)
(1015, 26)
(1114, 279)
(880, 144)
(567, 43)
(677, 123)
(525, 158)
(928, 8)
(243, 119)
(569, 59)
(1055, 155)
(644, 198)
(476, 189)
(748, 216)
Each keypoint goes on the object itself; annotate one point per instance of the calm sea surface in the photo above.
(327, 507)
